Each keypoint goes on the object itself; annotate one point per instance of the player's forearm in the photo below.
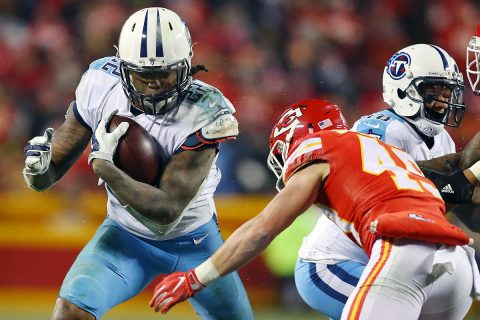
(152, 203)
(445, 164)
(242, 246)
(471, 152)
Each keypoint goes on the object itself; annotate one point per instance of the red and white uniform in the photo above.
(382, 184)
(377, 194)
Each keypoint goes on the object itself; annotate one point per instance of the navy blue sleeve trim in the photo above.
(192, 141)
(79, 117)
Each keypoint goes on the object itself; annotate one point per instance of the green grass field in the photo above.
(37, 305)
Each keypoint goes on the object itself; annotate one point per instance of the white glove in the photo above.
(105, 143)
(38, 153)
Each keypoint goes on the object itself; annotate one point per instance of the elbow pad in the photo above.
(454, 188)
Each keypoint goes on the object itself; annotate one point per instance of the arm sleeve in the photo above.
(81, 109)
(454, 188)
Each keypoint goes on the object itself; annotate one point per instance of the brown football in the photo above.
(137, 152)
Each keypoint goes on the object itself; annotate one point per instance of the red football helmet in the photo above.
(299, 120)
(473, 61)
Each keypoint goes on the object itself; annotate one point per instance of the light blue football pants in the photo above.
(117, 265)
(326, 288)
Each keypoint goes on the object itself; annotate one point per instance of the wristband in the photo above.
(207, 272)
(475, 169)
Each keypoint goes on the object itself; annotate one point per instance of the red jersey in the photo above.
(374, 189)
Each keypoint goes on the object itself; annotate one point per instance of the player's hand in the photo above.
(38, 153)
(175, 288)
(105, 143)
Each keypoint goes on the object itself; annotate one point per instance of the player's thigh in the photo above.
(395, 282)
(452, 282)
(326, 288)
(113, 267)
(227, 297)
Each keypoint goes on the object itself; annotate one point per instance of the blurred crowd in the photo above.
(263, 55)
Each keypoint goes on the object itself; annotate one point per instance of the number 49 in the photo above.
(376, 160)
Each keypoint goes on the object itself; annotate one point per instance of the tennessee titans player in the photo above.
(424, 89)
(148, 230)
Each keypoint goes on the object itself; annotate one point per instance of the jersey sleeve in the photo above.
(371, 126)
(80, 106)
(384, 128)
(307, 151)
(101, 76)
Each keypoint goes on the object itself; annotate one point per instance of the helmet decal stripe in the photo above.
(143, 46)
(159, 47)
(442, 55)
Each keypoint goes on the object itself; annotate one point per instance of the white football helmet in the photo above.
(406, 76)
(154, 40)
(473, 61)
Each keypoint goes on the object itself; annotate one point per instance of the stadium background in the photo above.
(262, 54)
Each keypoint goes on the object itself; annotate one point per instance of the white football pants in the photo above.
(407, 279)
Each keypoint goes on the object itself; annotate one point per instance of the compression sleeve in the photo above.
(454, 187)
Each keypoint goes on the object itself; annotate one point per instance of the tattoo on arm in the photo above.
(179, 183)
(69, 141)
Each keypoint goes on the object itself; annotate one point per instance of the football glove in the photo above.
(105, 143)
(175, 288)
(38, 153)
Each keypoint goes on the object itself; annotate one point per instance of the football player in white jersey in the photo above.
(148, 230)
(424, 88)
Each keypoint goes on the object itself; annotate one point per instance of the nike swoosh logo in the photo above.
(197, 241)
(376, 126)
(180, 281)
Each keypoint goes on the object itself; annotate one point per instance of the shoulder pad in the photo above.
(110, 65)
(208, 98)
(223, 127)
(308, 150)
(375, 124)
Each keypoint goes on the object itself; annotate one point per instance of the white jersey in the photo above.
(327, 243)
(100, 92)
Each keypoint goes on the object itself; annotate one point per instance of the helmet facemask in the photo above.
(428, 90)
(422, 83)
(277, 157)
(154, 41)
(473, 62)
(298, 121)
(153, 103)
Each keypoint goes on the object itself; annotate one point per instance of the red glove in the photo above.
(175, 288)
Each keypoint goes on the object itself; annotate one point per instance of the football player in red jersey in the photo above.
(373, 191)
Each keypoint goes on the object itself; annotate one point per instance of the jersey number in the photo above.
(112, 68)
(376, 160)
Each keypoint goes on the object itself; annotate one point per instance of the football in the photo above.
(137, 152)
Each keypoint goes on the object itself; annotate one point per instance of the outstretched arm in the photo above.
(246, 242)
(460, 160)
(471, 152)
